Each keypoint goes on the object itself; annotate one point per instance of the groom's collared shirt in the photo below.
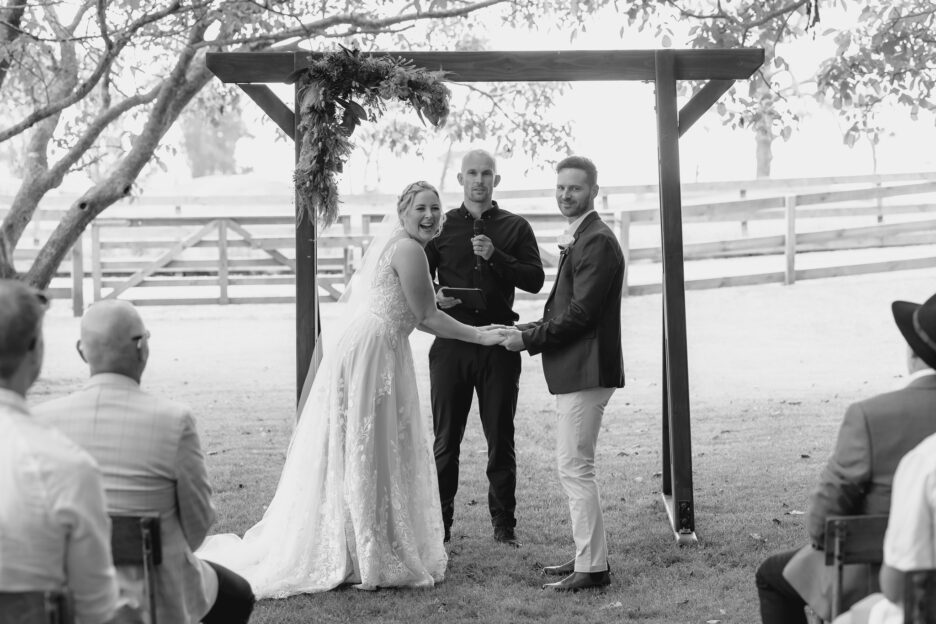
(515, 262)
(52, 515)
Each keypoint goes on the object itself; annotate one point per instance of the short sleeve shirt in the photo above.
(910, 540)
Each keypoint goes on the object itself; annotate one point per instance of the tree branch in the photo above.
(100, 70)
(355, 21)
(10, 18)
(96, 127)
(102, 23)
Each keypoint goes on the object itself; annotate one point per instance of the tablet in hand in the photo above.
(470, 297)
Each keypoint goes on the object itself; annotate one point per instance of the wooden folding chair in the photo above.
(849, 540)
(920, 597)
(135, 541)
(35, 607)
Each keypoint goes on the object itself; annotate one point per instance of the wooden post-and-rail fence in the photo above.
(251, 259)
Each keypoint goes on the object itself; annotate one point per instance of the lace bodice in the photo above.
(386, 299)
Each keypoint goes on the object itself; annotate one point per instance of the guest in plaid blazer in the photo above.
(152, 462)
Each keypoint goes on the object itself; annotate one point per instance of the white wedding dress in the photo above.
(358, 499)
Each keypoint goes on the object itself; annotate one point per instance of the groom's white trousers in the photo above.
(578, 420)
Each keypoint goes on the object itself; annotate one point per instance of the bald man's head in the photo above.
(478, 177)
(114, 339)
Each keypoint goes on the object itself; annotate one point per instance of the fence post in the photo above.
(742, 193)
(623, 228)
(879, 204)
(77, 258)
(789, 250)
(95, 261)
(223, 261)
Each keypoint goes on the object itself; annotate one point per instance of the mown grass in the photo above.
(771, 371)
(769, 386)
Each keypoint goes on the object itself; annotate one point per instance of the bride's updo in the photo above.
(408, 196)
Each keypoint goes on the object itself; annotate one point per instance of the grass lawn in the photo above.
(772, 369)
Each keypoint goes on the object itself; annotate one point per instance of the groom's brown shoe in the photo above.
(581, 580)
(560, 570)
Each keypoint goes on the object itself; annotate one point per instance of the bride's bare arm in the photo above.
(409, 262)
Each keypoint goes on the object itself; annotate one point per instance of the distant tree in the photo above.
(887, 58)
(211, 128)
(766, 104)
(71, 73)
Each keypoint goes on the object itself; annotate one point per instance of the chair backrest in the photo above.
(920, 597)
(136, 541)
(36, 607)
(852, 539)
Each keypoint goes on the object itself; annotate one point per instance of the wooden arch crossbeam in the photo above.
(719, 68)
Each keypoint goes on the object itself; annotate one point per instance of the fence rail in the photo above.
(162, 260)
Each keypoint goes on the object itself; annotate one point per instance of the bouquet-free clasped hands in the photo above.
(510, 337)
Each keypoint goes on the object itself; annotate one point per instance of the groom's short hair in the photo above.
(582, 163)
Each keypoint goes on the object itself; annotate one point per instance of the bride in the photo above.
(358, 500)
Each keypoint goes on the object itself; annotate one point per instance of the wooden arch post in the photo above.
(719, 68)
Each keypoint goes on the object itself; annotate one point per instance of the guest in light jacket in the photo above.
(149, 452)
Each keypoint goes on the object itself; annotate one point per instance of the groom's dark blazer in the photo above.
(580, 332)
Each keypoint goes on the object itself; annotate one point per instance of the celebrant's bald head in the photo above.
(114, 339)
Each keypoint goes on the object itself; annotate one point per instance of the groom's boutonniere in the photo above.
(565, 241)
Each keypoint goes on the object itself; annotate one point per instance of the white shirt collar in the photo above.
(13, 400)
(925, 372)
(575, 224)
(111, 379)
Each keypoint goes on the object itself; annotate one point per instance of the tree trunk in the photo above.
(174, 95)
(764, 140)
(445, 166)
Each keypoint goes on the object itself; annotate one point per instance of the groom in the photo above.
(580, 339)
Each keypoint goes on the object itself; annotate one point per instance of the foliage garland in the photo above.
(338, 91)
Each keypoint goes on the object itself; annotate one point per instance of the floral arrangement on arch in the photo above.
(338, 91)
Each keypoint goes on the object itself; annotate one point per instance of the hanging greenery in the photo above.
(338, 91)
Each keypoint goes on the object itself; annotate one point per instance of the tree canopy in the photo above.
(98, 83)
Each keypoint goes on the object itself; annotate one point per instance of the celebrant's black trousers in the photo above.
(457, 370)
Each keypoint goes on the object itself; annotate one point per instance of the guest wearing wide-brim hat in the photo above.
(917, 323)
(875, 434)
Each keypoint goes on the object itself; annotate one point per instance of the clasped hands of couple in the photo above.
(506, 336)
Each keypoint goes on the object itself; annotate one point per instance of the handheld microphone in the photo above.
(477, 228)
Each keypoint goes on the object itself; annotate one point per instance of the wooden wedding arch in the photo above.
(719, 68)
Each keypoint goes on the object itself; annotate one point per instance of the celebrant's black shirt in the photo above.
(515, 263)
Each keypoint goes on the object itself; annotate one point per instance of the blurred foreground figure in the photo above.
(152, 462)
(54, 530)
(874, 436)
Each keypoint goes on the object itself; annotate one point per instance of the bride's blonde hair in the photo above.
(408, 196)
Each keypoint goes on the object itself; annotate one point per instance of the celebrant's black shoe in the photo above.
(560, 570)
(581, 580)
(506, 535)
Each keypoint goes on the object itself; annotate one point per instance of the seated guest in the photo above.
(54, 530)
(874, 436)
(910, 541)
(152, 462)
